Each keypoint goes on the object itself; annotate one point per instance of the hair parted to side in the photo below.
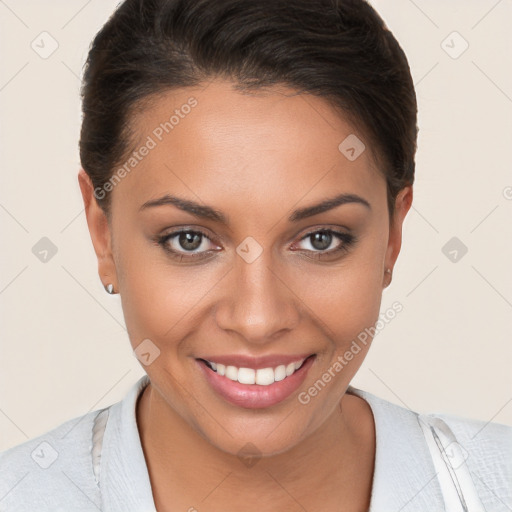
(339, 50)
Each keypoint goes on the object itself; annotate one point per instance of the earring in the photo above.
(109, 288)
(388, 271)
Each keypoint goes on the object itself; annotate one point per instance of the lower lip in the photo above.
(254, 396)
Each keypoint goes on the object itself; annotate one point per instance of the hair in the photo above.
(338, 50)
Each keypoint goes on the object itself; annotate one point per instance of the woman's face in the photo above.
(259, 272)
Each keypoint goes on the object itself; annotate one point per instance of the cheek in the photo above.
(160, 300)
(145, 288)
(346, 299)
(153, 303)
(347, 309)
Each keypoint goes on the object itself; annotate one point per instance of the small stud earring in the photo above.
(109, 288)
(388, 271)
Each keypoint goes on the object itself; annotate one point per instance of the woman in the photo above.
(247, 168)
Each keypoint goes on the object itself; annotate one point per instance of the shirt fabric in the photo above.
(60, 470)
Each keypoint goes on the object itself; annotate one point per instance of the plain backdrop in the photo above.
(64, 348)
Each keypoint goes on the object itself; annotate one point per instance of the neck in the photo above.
(185, 468)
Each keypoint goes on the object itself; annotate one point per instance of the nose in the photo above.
(258, 304)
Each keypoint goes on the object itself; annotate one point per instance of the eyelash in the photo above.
(348, 241)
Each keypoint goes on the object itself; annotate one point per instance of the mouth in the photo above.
(255, 385)
(260, 376)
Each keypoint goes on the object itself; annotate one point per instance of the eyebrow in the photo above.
(207, 212)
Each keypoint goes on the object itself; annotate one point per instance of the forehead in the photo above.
(215, 140)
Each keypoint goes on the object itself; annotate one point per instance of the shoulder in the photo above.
(486, 449)
(488, 440)
(51, 470)
(484, 437)
(482, 450)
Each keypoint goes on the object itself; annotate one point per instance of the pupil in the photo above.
(190, 241)
(321, 240)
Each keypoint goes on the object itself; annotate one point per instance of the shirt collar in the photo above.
(124, 477)
(404, 475)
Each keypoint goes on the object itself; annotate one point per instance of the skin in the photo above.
(255, 158)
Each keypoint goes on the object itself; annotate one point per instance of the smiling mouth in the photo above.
(260, 376)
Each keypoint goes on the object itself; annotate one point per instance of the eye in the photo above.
(326, 242)
(187, 243)
(191, 244)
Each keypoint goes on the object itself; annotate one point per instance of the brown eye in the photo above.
(188, 243)
(326, 242)
(321, 240)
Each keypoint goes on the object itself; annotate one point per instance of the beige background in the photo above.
(64, 348)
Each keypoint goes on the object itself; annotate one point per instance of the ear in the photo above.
(403, 203)
(99, 230)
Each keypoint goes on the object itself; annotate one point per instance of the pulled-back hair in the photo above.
(339, 50)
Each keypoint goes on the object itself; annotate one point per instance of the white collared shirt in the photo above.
(60, 470)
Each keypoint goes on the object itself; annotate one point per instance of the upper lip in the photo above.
(244, 361)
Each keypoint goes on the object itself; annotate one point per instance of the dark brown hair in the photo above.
(339, 50)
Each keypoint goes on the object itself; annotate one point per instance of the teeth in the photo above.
(280, 372)
(265, 376)
(232, 372)
(245, 375)
(262, 376)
